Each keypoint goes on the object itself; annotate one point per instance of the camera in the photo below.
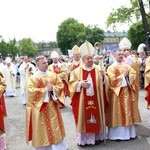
(148, 38)
(30, 69)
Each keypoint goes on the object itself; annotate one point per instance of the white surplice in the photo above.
(24, 76)
(9, 74)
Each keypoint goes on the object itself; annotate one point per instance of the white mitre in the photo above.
(125, 43)
(54, 54)
(86, 49)
(8, 60)
(141, 47)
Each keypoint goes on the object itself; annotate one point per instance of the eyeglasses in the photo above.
(126, 50)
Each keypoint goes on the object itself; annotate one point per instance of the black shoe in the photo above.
(118, 140)
(98, 142)
(133, 138)
(11, 96)
(81, 145)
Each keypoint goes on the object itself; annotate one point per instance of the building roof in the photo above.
(115, 34)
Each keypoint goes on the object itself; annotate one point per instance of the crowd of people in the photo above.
(103, 92)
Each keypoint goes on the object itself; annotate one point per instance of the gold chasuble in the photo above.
(62, 73)
(87, 110)
(122, 109)
(147, 81)
(136, 66)
(44, 121)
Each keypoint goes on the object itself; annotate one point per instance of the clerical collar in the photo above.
(57, 64)
(118, 63)
(41, 72)
(76, 63)
(88, 68)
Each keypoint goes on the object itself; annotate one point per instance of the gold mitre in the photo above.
(86, 49)
(54, 54)
(75, 49)
(125, 43)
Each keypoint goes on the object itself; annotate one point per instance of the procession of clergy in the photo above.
(102, 89)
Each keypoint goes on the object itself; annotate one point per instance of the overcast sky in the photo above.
(39, 19)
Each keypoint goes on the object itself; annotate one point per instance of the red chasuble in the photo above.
(91, 106)
(147, 98)
(91, 109)
(2, 113)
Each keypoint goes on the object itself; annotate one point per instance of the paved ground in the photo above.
(15, 129)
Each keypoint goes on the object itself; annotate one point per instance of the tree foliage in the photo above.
(71, 32)
(27, 47)
(135, 13)
(12, 47)
(68, 34)
(94, 34)
(8, 48)
(136, 35)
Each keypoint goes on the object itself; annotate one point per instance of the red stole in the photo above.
(56, 69)
(2, 112)
(66, 89)
(91, 109)
(75, 66)
(147, 98)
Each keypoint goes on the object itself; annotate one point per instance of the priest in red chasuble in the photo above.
(122, 111)
(87, 104)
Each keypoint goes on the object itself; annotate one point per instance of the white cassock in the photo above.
(2, 68)
(24, 76)
(122, 132)
(9, 74)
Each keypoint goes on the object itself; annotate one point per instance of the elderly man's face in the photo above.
(26, 59)
(8, 64)
(76, 57)
(55, 60)
(88, 61)
(126, 52)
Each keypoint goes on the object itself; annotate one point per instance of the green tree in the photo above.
(136, 12)
(94, 34)
(12, 48)
(136, 35)
(27, 47)
(69, 33)
(3, 46)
